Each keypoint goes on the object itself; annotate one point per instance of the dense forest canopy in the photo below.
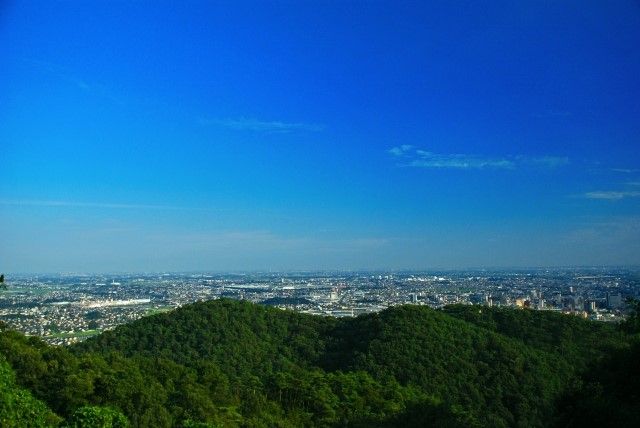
(231, 363)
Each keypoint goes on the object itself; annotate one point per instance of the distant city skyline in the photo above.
(245, 136)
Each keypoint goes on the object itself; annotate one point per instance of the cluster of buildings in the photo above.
(63, 309)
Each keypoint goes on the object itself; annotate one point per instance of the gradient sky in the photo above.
(164, 136)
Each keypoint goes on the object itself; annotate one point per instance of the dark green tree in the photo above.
(632, 323)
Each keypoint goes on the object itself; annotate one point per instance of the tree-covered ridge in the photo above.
(498, 380)
(245, 337)
(576, 339)
(416, 346)
(229, 363)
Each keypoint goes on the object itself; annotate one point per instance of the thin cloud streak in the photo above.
(72, 204)
(625, 170)
(408, 155)
(401, 150)
(546, 161)
(245, 124)
(612, 195)
(66, 75)
(426, 159)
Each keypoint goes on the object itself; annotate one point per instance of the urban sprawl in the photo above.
(64, 309)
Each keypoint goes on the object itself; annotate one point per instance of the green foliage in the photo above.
(192, 424)
(608, 394)
(97, 417)
(18, 408)
(577, 340)
(632, 323)
(502, 382)
(235, 364)
(244, 337)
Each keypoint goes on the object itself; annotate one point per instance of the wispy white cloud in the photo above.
(401, 150)
(246, 124)
(546, 161)
(625, 170)
(73, 204)
(408, 155)
(425, 159)
(612, 195)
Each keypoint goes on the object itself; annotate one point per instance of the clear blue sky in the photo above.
(154, 136)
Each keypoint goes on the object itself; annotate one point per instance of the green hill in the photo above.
(229, 363)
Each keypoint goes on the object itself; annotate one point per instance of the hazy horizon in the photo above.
(432, 270)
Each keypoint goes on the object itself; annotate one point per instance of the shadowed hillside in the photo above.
(229, 363)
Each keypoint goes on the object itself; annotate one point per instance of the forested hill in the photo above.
(230, 363)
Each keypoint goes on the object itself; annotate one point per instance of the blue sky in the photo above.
(156, 136)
